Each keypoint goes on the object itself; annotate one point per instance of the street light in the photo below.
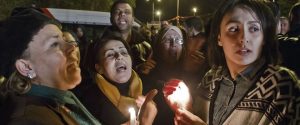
(153, 4)
(195, 10)
(158, 13)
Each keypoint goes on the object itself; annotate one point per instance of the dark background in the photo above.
(143, 10)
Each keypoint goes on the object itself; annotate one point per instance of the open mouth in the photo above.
(121, 68)
(122, 21)
(244, 51)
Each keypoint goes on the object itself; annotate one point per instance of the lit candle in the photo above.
(181, 96)
(132, 116)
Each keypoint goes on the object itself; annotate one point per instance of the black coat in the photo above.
(101, 107)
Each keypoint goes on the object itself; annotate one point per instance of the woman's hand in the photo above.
(184, 117)
(148, 109)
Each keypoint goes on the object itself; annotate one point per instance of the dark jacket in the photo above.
(101, 107)
(33, 110)
(289, 46)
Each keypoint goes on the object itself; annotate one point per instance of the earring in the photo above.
(30, 74)
(219, 43)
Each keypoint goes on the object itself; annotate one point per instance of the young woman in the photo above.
(246, 85)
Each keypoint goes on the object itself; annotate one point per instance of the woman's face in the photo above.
(55, 62)
(79, 32)
(241, 36)
(171, 47)
(115, 62)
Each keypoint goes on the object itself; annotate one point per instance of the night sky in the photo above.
(143, 10)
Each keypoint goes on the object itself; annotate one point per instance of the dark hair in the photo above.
(99, 44)
(114, 5)
(294, 15)
(270, 48)
(195, 22)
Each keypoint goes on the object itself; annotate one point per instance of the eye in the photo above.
(127, 12)
(110, 55)
(254, 29)
(116, 12)
(55, 44)
(233, 29)
(124, 53)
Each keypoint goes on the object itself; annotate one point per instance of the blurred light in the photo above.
(158, 13)
(194, 9)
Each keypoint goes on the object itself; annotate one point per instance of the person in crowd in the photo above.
(245, 84)
(285, 25)
(289, 44)
(275, 9)
(165, 64)
(116, 87)
(154, 32)
(41, 67)
(83, 44)
(122, 18)
(195, 63)
(164, 24)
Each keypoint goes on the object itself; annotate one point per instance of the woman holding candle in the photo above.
(246, 85)
(116, 86)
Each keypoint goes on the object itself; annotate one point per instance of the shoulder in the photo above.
(209, 82)
(29, 110)
(137, 36)
(281, 73)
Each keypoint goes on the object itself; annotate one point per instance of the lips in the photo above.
(243, 51)
(122, 21)
(121, 67)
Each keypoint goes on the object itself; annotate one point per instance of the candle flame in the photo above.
(180, 96)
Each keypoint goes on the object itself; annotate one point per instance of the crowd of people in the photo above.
(240, 68)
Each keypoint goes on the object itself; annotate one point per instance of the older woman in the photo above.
(117, 87)
(165, 64)
(44, 67)
(246, 85)
(41, 67)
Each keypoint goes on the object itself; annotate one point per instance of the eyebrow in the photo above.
(113, 49)
(236, 21)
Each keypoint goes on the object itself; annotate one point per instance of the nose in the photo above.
(244, 37)
(118, 56)
(122, 13)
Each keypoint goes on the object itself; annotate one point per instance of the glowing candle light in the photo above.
(180, 96)
(132, 116)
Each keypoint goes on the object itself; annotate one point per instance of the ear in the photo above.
(98, 69)
(219, 42)
(24, 68)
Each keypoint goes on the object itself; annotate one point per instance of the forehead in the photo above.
(239, 14)
(49, 30)
(113, 44)
(172, 33)
(123, 6)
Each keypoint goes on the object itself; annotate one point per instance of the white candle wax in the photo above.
(132, 116)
